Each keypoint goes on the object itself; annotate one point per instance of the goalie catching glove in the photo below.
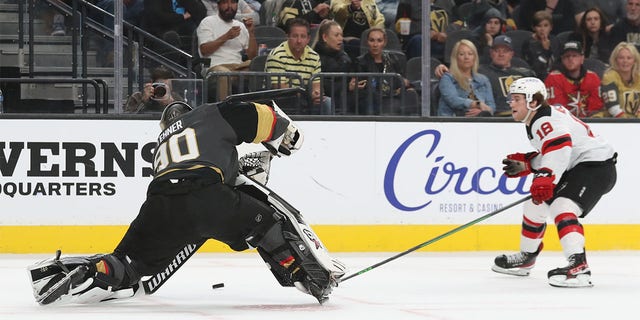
(542, 187)
(82, 279)
(518, 164)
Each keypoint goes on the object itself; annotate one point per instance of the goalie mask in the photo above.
(172, 111)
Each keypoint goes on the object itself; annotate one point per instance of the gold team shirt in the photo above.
(620, 99)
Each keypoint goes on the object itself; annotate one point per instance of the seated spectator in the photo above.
(223, 39)
(174, 22)
(592, 33)
(621, 83)
(376, 60)
(464, 91)
(627, 29)
(155, 95)
(314, 11)
(294, 55)
(572, 85)
(388, 8)
(501, 73)
(561, 12)
(329, 46)
(356, 16)
(491, 27)
(539, 50)
(612, 11)
(245, 10)
(412, 10)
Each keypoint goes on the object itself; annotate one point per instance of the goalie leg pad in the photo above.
(81, 279)
(293, 262)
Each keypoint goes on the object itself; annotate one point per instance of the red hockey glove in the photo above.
(542, 188)
(518, 164)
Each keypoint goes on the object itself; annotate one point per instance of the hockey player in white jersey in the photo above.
(572, 167)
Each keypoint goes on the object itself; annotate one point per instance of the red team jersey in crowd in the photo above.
(564, 141)
(581, 97)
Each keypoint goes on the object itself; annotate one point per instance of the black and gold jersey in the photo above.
(202, 143)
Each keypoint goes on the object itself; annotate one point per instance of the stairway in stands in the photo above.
(52, 59)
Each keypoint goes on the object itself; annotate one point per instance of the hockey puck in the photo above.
(217, 285)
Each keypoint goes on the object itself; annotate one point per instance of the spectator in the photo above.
(613, 11)
(628, 29)
(572, 85)
(174, 22)
(593, 35)
(412, 10)
(388, 8)
(223, 39)
(621, 83)
(539, 50)
(501, 73)
(154, 97)
(559, 10)
(245, 10)
(356, 16)
(376, 60)
(314, 11)
(492, 26)
(464, 91)
(294, 55)
(329, 46)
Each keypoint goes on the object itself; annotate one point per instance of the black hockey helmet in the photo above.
(172, 111)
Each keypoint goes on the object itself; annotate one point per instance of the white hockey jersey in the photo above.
(564, 141)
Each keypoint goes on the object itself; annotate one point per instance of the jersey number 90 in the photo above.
(179, 147)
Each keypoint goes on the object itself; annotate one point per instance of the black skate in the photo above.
(575, 275)
(316, 284)
(517, 264)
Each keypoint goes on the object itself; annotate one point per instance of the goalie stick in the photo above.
(426, 243)
(153, 283)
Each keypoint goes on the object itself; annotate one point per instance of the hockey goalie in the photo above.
(201, 190)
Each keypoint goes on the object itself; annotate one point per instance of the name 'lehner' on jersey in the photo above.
(175, 127)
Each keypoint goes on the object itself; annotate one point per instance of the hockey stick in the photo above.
(444, 235)
(153, 283)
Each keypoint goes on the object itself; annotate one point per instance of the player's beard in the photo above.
(228, 15)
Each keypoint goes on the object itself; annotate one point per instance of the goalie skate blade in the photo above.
(521, 272)
(581, 281)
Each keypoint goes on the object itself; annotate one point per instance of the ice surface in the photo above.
(421, 285)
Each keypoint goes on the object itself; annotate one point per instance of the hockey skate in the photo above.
(575, 275)
(311, 286)
(517, 264)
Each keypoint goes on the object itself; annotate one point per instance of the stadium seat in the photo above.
(596, 66)
(452, 39)
(518, 37)
(270, 35)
